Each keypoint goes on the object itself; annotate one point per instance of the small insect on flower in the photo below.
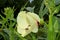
(27, 23)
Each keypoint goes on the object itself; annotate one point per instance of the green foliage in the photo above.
(43, 10)
(53, 26)
(48, 31)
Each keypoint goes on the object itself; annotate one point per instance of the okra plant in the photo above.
(29, 25)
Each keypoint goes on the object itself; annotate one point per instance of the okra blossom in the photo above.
(27, 22)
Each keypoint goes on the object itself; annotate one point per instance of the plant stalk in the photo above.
(51, 33)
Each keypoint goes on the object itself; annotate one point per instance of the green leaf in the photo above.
(50, 4)
(57, 2)
(42, 10)
(31, 9)
(56, 26)
(57, 9)
(4, 34)
(9, 12)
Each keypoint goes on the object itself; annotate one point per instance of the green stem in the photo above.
(11, 33)
(51, 34)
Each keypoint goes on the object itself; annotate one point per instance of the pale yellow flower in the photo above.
(27, 22)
